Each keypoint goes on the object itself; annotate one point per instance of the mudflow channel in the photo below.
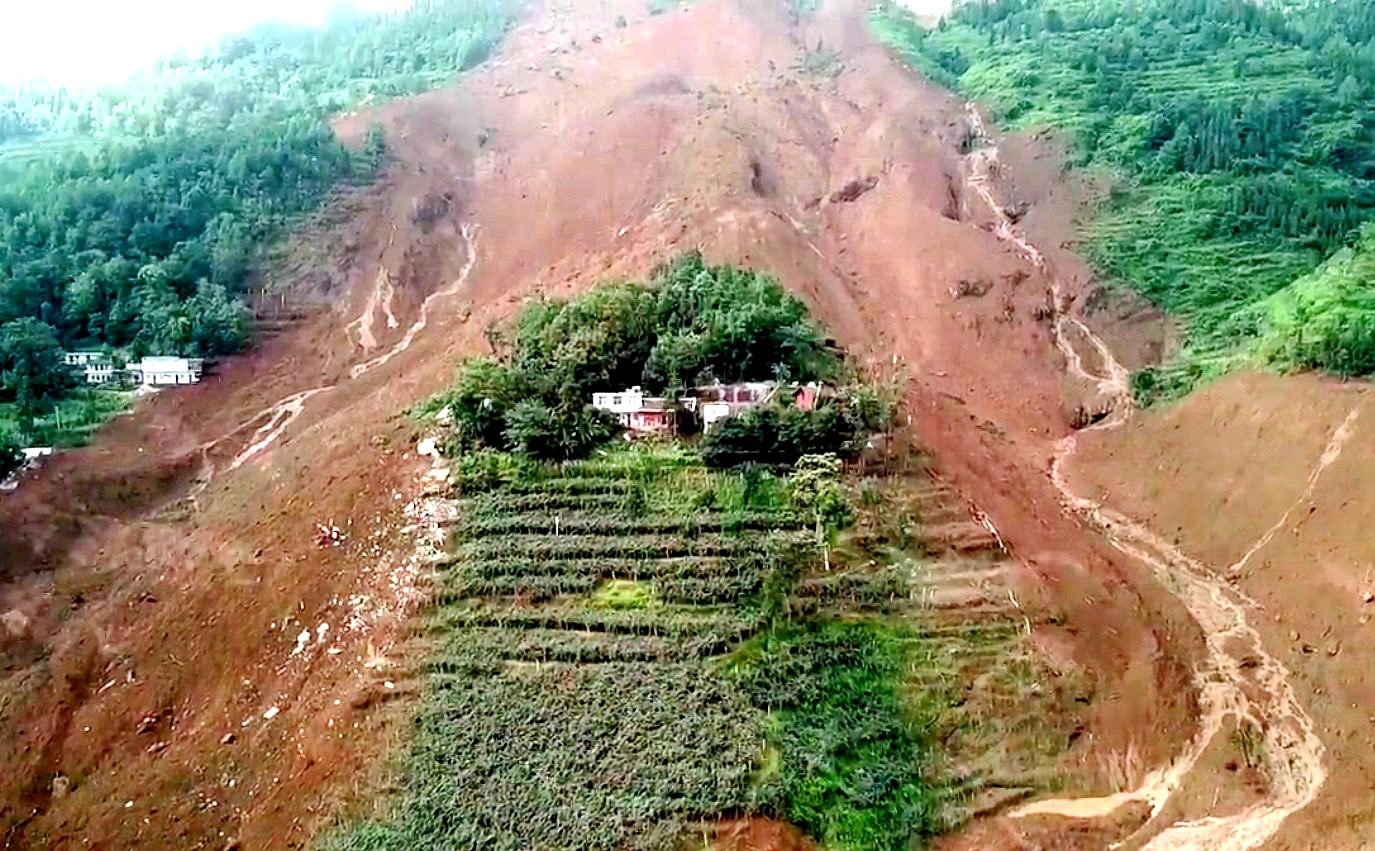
(1238, 681)
(282, 414)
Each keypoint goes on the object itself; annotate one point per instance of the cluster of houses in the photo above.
(642, 414)
(101, 368)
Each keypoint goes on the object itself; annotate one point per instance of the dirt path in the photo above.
(1240, 682)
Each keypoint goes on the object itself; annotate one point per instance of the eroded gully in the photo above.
(280, 415)
(1237, 680)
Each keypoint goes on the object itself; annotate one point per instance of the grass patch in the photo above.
(846, 757)
(623, 594)
(71, 422)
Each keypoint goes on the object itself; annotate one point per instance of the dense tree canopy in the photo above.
(32, 374)
(130, 217)
(691, 324)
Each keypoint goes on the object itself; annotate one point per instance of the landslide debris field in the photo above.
(253, 614)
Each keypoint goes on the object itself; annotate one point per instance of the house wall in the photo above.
(714, 412)
(161, 371)
(651, 421)
(625, 402)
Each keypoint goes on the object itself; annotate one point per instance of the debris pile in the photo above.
(328, 535)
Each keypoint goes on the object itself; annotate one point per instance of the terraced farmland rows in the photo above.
(990, 699)
(620, 661)
(576, 695)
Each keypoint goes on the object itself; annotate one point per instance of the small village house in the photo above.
(166, 370)
(722, 401)
(94, 367)
(639, 413)
(643, 414)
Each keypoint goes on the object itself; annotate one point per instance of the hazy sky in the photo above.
(84, 42)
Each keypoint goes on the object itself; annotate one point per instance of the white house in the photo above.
(722, 401)
(637, 412)
(620, 404)
(95, 367)
(166, 370)
(83, 358)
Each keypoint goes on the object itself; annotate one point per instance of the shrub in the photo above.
(556, 434)
(1326, 320)
(782, 435)
(616, 524)
(850, 769)
(10, 454)
(486, 390)
(620, 546)
(506, 504)
(485, 470)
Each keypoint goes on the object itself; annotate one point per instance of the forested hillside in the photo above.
(130, 217)
(1239, 136)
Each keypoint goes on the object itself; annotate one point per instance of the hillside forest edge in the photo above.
(1239, 142)
(133, 217)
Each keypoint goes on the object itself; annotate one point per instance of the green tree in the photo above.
(486, 390)
(1349, 92)
(219, 322)
(375, 145)
(556, 434)
(817, 488)
(32, 373)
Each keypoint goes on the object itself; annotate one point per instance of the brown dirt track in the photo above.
(150, 626)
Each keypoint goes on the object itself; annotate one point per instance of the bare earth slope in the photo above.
(185, 665)
(1268, 479)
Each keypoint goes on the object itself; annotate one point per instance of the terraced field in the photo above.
(626, 652)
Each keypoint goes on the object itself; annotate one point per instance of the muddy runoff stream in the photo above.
(1238, 681)
(280, 415)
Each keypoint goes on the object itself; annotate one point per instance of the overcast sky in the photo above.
(88, 42)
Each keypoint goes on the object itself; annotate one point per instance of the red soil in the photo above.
(759, 834)
(694, 128)
(1233, 464)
